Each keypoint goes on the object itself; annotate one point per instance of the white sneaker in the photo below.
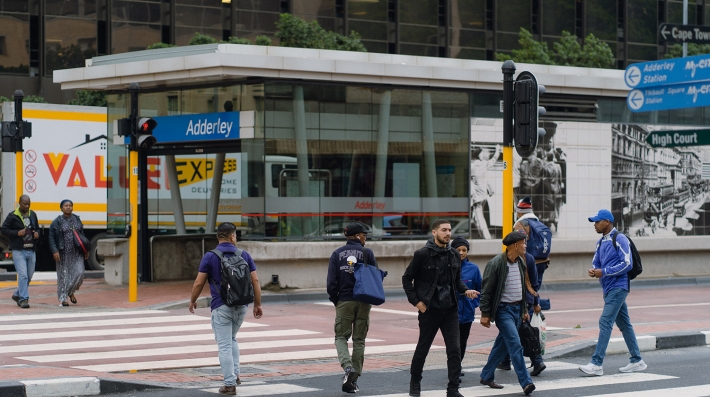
(591, 369)
(634, 367)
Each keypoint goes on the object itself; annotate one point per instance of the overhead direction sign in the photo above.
(679, 138)
(668, 71)
(675, 33)
(678, 96)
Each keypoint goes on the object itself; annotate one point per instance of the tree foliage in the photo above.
(296, 32)
(568, 51)
(89, 98)
(28, 98)
(676, 50)
(160, 45)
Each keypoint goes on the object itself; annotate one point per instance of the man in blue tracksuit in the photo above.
(610, 265)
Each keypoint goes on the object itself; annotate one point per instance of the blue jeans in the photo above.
(507, 321)
(226, 322)
(615, 310)
(24, 261)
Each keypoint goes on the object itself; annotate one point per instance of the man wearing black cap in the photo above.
(503, 299)
(432, 281)
(351, 317)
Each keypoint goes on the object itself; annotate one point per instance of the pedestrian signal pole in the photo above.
(133, 197)
(12, 134)
(508, 98)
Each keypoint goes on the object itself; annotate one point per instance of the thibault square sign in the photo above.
(679, 138)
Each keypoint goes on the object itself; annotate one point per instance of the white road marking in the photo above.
(107, 343)
(244, 359)
(165, 351)
(32, 317)
(550, 366)
(105, 332)
(688, 391)
(111, 322)
(273, 389)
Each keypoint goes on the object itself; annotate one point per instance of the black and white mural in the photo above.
(579, 168)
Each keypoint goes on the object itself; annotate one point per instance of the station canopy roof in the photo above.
(209, 63)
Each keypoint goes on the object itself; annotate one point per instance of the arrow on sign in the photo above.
(633, 76)
(635, 100)
(664, 32)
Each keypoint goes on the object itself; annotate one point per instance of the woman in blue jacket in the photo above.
(471, 276)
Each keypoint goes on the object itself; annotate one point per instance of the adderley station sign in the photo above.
(669, 84)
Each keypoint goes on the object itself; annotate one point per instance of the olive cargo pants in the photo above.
(352, 318)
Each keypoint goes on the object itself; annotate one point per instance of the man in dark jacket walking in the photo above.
(351, 317)
(432, 282)
(22, 228)
(503, 300)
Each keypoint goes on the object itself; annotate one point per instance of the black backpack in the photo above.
(635, 257)
(530, 339)
(236, 288)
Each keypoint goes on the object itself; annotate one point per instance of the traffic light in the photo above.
(527, 111)
(123, 127)
(144, 138)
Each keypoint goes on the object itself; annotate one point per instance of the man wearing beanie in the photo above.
(471, 276)
(503, 300)
(432, 281)
(351, 317)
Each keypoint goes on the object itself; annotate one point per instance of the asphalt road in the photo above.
(676, 372)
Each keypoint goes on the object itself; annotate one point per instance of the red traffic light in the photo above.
(146, 125)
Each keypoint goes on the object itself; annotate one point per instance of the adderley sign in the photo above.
(197, 127)
(667, 72)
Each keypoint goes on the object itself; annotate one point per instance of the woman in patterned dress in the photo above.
(69, 258)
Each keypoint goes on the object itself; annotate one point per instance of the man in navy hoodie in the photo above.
(352, 317)
(610, 265)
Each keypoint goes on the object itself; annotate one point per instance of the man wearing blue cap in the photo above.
(610, 265)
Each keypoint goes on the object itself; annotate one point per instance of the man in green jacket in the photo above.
(503, 300)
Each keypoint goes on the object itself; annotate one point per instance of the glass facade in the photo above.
(321, 157)
(52, 34)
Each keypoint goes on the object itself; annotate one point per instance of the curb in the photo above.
(645, 342)
(79, 386)
(12, 276)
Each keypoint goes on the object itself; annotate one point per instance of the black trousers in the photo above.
(464, 332)
(430, 322)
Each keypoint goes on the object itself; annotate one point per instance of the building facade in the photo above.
(38, 37)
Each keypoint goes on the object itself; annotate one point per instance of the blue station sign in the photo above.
(668, 72)
(678, 96)
(197, 127)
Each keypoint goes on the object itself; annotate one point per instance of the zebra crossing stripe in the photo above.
(53, 316)
(559, 384)
(112, 322)
(687, 391)
(273, 389)
(144, 341)
(195, 349)
(105, 332)
(244, 359)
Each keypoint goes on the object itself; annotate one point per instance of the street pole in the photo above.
(133, 199)
(685, 22)
(508, 97)
(19, 174)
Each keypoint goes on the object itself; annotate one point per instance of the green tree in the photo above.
(594, 54)
(238, 40)
(262, 40)
(531, 51)
(160, 45)
(89, 98)
(200, 38)
(296, 32)
(33, 99)
(676, 50)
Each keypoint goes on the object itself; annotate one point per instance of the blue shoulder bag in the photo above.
(368, 283)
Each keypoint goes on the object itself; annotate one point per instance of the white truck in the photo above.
(64, 159)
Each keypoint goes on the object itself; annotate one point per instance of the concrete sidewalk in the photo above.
(664, 313)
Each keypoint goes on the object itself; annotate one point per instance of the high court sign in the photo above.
(679, 138)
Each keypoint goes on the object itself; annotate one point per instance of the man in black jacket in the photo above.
(21, 227)
(432, 282)
(351, 317)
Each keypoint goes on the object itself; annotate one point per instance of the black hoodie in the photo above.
(341, 279)
(421, 276)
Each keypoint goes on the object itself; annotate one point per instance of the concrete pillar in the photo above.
(175, 195)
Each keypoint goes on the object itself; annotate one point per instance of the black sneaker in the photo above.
(504, 366)
(357, 388)
(16, 299)
(348, 379)
(453, 393)
(537, 369)
(24, 304)
(415, 388)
